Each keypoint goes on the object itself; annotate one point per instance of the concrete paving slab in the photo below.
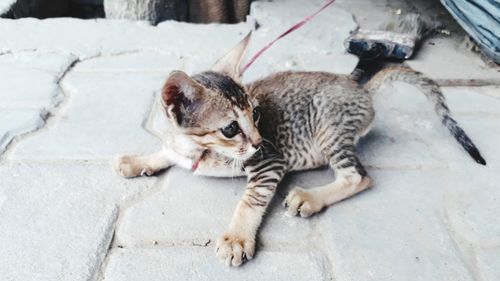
(430, 216)
(100, 108)
(394, 231)
(193, 210)
(488, 261)
(198, 264)
(90, 38)
(140, 61)
(14, 122)
(474, 100)
(439, 62)
(57, 219)
(324, 39)
(318, 46)
(28, 91)
(469, 211)
(481, 130)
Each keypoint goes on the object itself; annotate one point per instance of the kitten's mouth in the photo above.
(197, 161)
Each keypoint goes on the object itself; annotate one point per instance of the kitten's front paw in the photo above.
(127, 167)
(233, 249)
(303, 202)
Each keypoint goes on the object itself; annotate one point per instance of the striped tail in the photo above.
(433, 93)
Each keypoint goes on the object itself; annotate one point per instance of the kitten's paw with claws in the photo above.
(128, 167)
(302, 202)
(233, 249)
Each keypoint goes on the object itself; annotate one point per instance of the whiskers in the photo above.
(237, 160)
(236, 165)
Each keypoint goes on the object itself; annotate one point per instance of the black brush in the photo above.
(395, 40)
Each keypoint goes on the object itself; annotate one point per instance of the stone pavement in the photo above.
(77, 93)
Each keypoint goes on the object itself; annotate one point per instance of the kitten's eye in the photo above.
(231, 130)
(256, 115)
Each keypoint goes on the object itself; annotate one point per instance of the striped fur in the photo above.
(307, 120)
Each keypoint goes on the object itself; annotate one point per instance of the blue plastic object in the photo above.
(481, 20)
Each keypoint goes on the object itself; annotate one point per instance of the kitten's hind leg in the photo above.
(145, 165)
(350, 178)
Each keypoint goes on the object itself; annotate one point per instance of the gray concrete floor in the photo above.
(76, 93)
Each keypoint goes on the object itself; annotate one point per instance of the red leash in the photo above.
(293, 28)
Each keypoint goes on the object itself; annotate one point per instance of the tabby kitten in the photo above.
(285, 122)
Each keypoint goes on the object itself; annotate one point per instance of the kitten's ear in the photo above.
(179, 93)
(230, 63)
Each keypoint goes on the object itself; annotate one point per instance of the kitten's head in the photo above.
(212, 109)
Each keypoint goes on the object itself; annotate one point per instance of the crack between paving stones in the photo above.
(465, 249)
(101, 55)
(319, 244)
(107, 239)
(11, 52)
(148, 116)
(60, 99)
(138, 198)
(159, 187)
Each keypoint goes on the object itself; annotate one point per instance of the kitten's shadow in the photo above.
(366, 144)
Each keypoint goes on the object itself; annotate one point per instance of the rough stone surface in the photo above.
(119, 36)
(452, 65)
(14, 122)
(468, 211)
(102, 119)
(85, 89)
(168, 217)
(474, 101)
(57, 219)
(29, 90)
(394, 231)
(198, 264)
(488, 262)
